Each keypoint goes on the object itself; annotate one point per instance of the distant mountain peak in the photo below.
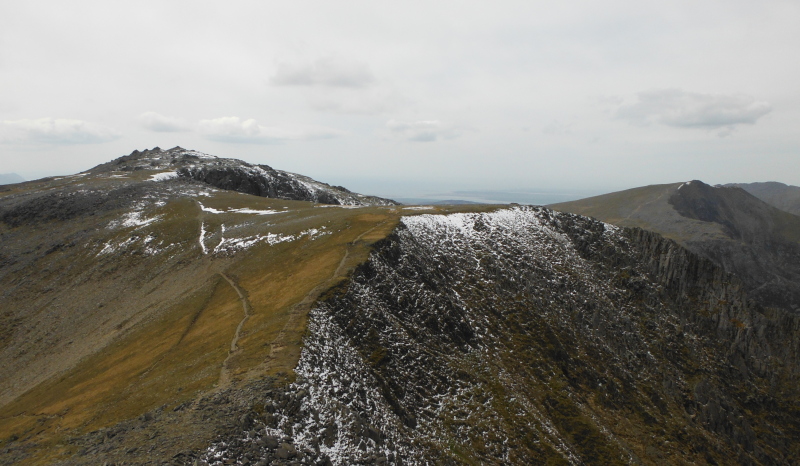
(236, 175)
(781, 195)
(10, 178)
(728, 224)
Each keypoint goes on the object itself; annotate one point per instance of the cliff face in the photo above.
(527, 336)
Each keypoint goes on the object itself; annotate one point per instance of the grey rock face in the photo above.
(65, 205)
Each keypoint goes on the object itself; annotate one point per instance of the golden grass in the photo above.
(178, 354)
(163, 361)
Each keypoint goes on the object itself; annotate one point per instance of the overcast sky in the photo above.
(410, 98)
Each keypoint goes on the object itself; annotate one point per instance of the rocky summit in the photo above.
(236, 175)
(171, 307)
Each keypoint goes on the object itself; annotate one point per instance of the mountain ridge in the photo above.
(149, 316)
(780, 195)
(437, 359)
(746, 236)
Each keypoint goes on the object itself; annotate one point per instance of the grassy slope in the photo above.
(619, 207)
(645, 207)
(169, 350)
(784, 197)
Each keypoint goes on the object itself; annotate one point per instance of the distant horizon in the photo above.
(429, 193)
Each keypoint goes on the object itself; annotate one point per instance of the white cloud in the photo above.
(680, 109)
(329, 71)
(54, 131)
(234, 129)
(422, 130)
(162, 124)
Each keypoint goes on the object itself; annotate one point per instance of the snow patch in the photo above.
(133, 219)
(346, 206)
(233, 245)
(164, 176)
(210, 210)
(246, 210)
(203, 237)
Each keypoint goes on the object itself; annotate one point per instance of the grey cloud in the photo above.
(556, 127)
(54, 131)
(680, 109)
(329, 71)
(162, 124)
(422, 130)
(234, 129)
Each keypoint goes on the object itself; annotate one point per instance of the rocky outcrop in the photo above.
(526, 336)
(240, 176)
(264, 181)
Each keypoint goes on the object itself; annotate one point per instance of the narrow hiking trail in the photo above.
(279, 343)
(224, 373)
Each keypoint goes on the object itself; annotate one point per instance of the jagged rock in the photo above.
(270, 442)
(285, 451)
(247, 421)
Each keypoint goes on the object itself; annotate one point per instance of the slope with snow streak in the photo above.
(524, 336)
(430, 401)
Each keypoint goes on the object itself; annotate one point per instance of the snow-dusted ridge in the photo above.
(339, 385)
(516, 337)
